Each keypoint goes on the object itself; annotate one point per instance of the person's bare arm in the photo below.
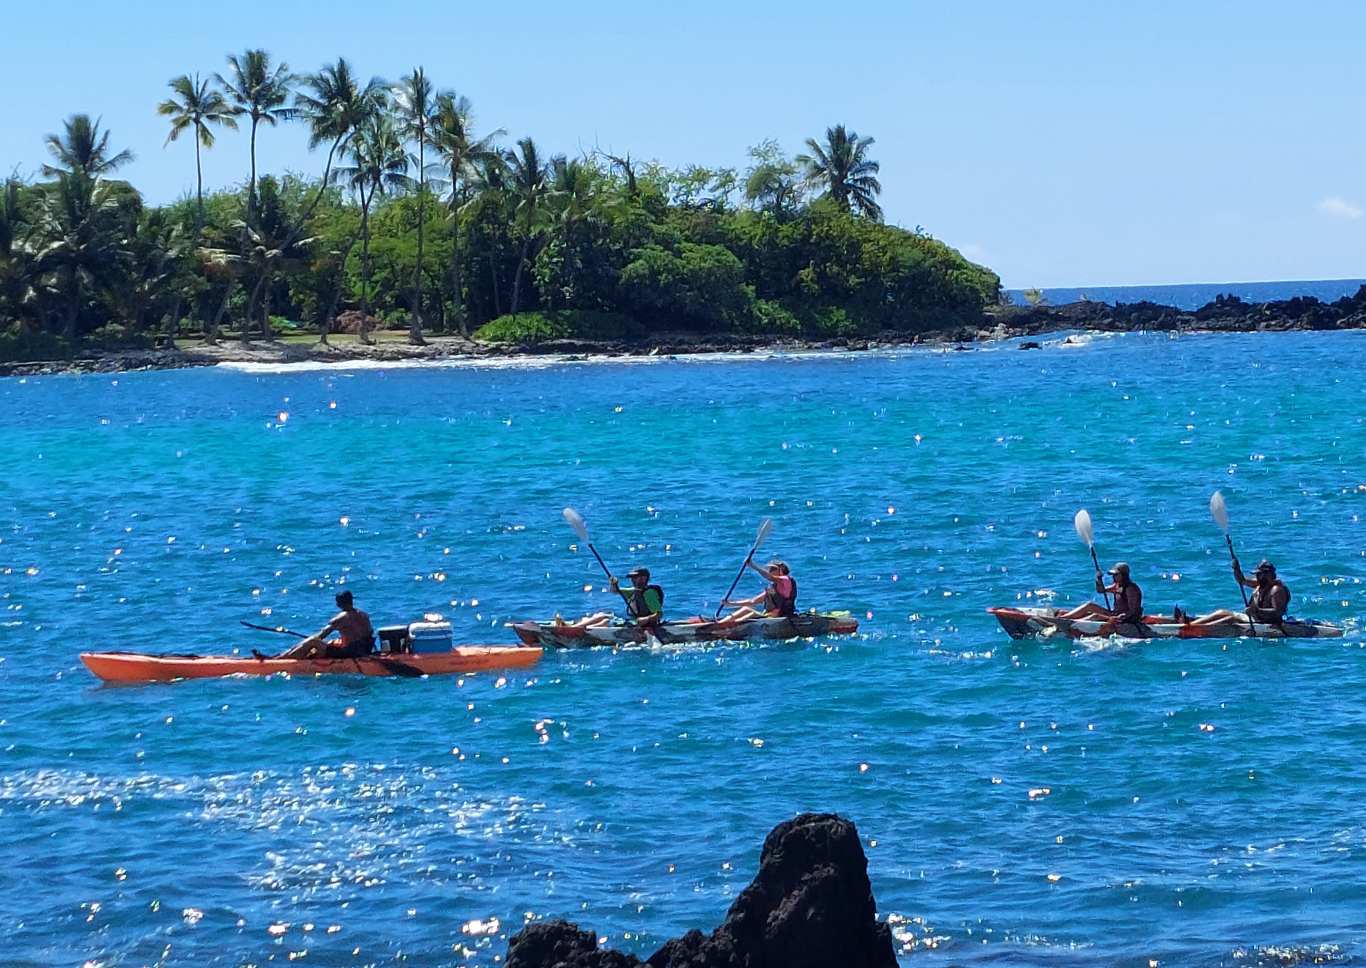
(768, 575)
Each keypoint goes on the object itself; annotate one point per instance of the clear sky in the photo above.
(1061, 143)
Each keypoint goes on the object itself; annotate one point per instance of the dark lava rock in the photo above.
(810, 906)
(1030, 344)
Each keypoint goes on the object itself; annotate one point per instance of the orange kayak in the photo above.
(142, 667)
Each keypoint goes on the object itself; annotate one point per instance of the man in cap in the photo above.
(1268, 604)
(1128, 599)
(644, 603)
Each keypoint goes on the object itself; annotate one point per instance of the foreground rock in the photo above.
(810, 906)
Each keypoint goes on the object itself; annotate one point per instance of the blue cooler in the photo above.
(429, 637)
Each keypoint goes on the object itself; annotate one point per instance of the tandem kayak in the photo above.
(143, 667)
(1020, 623)
(696, 629)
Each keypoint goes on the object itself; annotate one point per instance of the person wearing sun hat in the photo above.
(1128, 598)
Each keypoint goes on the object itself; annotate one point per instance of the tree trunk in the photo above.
(365, 269)
(251, 189)
(493, 271)
(517, 279)
(415, 329)
(211, 328)
(73, 307)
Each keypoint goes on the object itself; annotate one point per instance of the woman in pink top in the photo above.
(779, 599)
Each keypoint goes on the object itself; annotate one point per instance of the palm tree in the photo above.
(83, 149)
(199, 106)
(842, 168)
(528, 186)
(462, 155)
(80, 239)
(335, 106)
(378, 163)
(18, 282)
(414, 104)
(260, 91)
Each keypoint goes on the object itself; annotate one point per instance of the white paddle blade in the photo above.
(765, 526)
(1219, 511)
(576, 522)
(1082, 522)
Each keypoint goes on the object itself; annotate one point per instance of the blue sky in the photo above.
(1062, 143)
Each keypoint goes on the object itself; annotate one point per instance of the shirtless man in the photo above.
(1128, 608)
(1270, 598)
(356, 636)
(778, 599)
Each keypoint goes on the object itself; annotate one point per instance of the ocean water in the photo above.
(1195, 295)
(1045, 803)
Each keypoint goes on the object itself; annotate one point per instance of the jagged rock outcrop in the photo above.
(809, 906)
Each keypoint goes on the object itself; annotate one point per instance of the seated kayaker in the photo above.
(779, 599)
(644, 603)
(1269, 601)
(355, 635)
(1128, 599)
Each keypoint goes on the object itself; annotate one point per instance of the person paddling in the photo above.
(779, 598)
(1128, 608)
(644, 603)
(355, 635)
(1268, 604)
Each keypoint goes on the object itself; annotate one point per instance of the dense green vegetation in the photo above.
(422, 220)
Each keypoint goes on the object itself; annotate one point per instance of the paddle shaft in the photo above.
(605, 570)
(738, 575)
(267, 628)
(1251, 623)
(1096, 561)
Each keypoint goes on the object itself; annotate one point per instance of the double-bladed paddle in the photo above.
(398, 668)
(1219, 511)
(1082, 522)
(765, 526)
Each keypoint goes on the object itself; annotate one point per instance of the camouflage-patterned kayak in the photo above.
(1022, 622)
(696, 629)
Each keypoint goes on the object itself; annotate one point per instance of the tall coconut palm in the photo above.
(528, 185)
(414, 106)
(80, 233)
(199, 106)
(83, 149)
(260, 90)
(335, 105)
(379, 163)
(462, 155)
(841, 168)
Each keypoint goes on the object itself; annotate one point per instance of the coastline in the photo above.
(1229, 315)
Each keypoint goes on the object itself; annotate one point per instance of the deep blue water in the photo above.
(1195, 295)
(239, 821)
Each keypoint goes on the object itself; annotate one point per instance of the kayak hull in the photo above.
(801, 626)
(141, 667)
(1022, 623)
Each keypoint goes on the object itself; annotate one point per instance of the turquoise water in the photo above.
(371, 821)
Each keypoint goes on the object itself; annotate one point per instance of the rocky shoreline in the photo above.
(1224, 315)
(809, 906)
